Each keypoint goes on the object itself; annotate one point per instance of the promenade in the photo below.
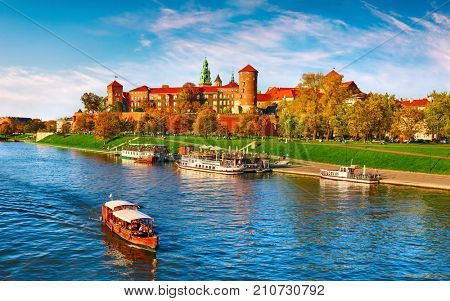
(392, 177)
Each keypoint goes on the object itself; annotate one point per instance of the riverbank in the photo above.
(411, 156)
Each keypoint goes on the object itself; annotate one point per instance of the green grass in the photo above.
(82, 141)
(328, 153)
(297, 149)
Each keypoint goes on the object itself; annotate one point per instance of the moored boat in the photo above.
(124, 219)
(146, 153)
(210, 162)
(349, 174)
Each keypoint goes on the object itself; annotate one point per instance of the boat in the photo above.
(212, 163)
(124, 219)
(349, 174)
(146, 153)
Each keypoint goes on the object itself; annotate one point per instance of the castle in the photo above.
(230, 98)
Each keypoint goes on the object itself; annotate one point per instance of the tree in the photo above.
(107, 125)
(34, 125)
(289, 124)
(179, 123)
(308, 103)
(189, 99)
(248, 123)
(437, 114)
(84, 123)
(50, 126)
(7, 128)
(65, 128)
(332, 99)
(127, 125)
(206, 122)
(92, 102)
(265, 126)
(408, 121)
(153, 122)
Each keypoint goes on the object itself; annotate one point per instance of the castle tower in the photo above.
(115, 93)
(248, 83)
(205, 75)
(232, 77)
(218, 81)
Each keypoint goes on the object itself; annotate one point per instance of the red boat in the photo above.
(147, 160)
(124, 219)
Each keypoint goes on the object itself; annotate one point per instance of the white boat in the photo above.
(347, 173)
(150, 153)
(211, 163)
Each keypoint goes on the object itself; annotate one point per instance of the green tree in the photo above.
(92, 102)
(34, 125)
(290, 125)
(206, 122)
(437, 114)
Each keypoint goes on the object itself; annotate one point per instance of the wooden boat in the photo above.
(347, 173)
(124, 219)
(147, 160)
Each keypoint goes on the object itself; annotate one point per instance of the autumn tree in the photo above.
(265, 126)
(7, 128)
(50, 126)
(437, 114)
(332, 98)
(84, 123)
(408, 121)
(206, 122)
(92, 102)
(179, 123)
(308, 105)
(107, 125)
(153, 122)
(248, 123)
(188, 100)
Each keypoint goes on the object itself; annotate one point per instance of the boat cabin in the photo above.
(139, 224)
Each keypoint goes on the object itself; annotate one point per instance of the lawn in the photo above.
(82, 141)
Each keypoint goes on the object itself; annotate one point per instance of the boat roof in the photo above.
(128, 215)
(116, 203)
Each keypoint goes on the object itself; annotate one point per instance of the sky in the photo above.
(155, 42)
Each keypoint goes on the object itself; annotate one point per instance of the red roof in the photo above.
(165, 90)
(115, 84)
(141, 88)
(348, 83)
(332, 72)
(423, 102)
(248, 68)
(281, 93)
(264, 97)
(230, 85)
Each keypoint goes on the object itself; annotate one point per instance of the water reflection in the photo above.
(124, 254)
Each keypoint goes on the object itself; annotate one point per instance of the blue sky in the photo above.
(164, 42)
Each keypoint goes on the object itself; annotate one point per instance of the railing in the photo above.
(351, 176)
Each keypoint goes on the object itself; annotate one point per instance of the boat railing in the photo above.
(359, 176)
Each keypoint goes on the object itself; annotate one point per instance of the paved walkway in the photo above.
(392, 177)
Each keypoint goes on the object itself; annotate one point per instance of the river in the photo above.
(211, 227)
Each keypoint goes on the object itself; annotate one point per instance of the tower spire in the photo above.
(232, 77)
(205, 75)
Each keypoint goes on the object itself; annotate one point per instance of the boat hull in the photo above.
(149, 242)
(350, 180)
(237, 172)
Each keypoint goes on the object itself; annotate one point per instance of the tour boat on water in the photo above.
(212, 163)
(124, 219)
(347, 173)
(146, 153)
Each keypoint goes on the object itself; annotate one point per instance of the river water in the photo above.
(211, 227)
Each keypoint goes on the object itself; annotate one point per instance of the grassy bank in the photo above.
(411, 157)
(87, 142)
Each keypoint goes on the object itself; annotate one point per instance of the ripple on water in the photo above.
(212, 227)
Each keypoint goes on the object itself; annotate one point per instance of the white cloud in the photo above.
(387, 18)
(29, 92)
